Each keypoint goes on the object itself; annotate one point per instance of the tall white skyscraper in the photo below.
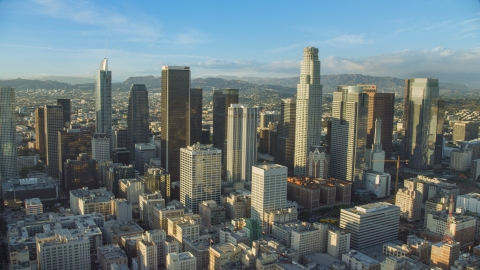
(269, 189)
(349, 134)
(8, 146)
(376, 153)
(103, 101)
(200, 175)
(309, 109)
(241, 142)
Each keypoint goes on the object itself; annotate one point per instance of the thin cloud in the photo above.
(285, 48)
(191, 37)
(86, 12)
(346, 39)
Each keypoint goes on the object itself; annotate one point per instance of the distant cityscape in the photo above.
(176, 173)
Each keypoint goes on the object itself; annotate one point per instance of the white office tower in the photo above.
(100, 147)
(61, 250)
(269, 190)
(241, 142)
(308, 127)
(376, 180)
(371, 224)
(200, 175)
(374, 157)
(317, 162)
(8, 145)
(349, 134)
(103, 101)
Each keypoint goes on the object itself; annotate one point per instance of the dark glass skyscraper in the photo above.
(53, 124)
(8, 145)
(103, 101)
(67, 111)
(423, 122)
(175, 113)
(40, 130)
(196, 96)
(286, 134)
(72, 143)
(137, 119)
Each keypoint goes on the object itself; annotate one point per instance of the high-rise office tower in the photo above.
(222, 99)
(53, 124)
(286, 133)
(376, 152)
(269, 189)
(67, 111)
(137, 118)
(8, 145)
(241, 142)
(269, 117)
(200, 175)
(175, 117)
(100, 147)
(308, 130)
(103, 101)
(121, 138)
(349, 134)
(422, 122)
(40, 130)
(196, 96)
(80, 172)
(71, 143)
(380, 105)
(143, 153)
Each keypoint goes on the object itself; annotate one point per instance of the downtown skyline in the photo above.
(239, 39)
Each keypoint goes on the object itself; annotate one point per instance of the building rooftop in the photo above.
(371, 208)
(28, 184)
(32, 202)
(269, 166)
(111, 252)
(364, 259)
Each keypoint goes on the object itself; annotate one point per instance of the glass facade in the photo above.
(70, 145)
(137, 118)
(196, 95)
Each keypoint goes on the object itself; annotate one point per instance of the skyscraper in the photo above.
(286, 134)
(222, 99)
(40, 130)
(196, 95)
(309, 109)
(103, 101)
(200, 175)
(67, 111)
(422, 122)
(53, 124)
(269, 189)
(349, 134)
(72, 143)
(8, 145)
(241, 142)
(100, 147)
(137, 118)
(175, 117)
(380, 106)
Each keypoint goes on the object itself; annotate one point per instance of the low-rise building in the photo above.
(33, 206)
(463, 227)
(355, 260)
(238, 204)
(444, 254)
(131, 189)
(221, 255)
(395, 263)
(211, 213)
(88, 201)
(199, 248)
(111, 254)
(16, 191)
(181, 261)
(114, 230)
(147, 201)
(410, 202)
(338, 242)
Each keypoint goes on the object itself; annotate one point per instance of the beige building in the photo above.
(61, 250)
(161, 214)
(433, 205)
(462, 227)
(114, 230)
(200, 249)
(224, 254)
(181, 261)
(147, 255)
(410, 202)
(33, 206)
(111, 254)
(170, 245)
(211, 213)
(158, 238)
(338, 242)
(238, 204)
(280, 216)
(444, 254)
(84, 201)
(358, 261)
(390, 249)
(305, 240)
(131, 189)
(147, 201)
(187, 227)
(395, 263)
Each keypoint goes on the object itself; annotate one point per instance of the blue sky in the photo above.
(238, 38)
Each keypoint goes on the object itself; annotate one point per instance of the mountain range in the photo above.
(283, 87)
